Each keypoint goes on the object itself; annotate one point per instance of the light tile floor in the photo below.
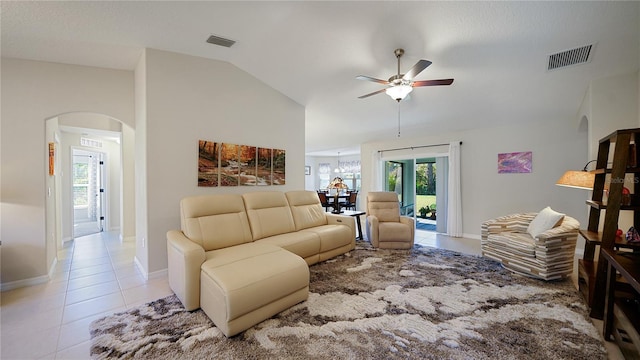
(95, 277)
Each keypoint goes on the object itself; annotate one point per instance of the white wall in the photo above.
(556, 146)
(188, 99)
(141, 162)
(33, 91)
(53, 228)
(310, 180)
(127, 195)
(612, 104)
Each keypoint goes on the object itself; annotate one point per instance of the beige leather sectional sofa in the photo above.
(244, 258)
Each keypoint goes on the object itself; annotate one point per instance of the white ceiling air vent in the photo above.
(217, 40)
(570, 57)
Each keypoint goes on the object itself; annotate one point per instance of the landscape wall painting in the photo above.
(222, 164)
(247, 165)
(278, 176)
(208, 163)
(263, 175)
(229, 165)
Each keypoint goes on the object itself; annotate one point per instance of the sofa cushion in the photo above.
(331, 236)
(546, 219)
(232, 254)
(215, 221)
(303, 244)
(306, 209)
(393, 231)
(268, 213)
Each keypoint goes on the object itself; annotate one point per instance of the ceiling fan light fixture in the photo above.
(399, 92)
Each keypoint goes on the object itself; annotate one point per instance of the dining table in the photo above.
(342, 199)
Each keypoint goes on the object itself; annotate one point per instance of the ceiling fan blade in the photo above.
(369, 78)
(371, 94)
(416, 69)
(433, 82)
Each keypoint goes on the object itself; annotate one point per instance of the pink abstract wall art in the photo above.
(515, 162)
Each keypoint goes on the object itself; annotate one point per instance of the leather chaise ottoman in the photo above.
(249, 283)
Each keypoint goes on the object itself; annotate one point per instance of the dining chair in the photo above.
(323, 200)
(351, 201)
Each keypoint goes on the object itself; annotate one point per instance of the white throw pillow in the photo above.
(545, 220)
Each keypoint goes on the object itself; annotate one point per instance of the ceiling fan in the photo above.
(400, 85)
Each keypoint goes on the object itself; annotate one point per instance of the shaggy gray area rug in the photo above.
(422, 303)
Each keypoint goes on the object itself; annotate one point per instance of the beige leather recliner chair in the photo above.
(386, 229)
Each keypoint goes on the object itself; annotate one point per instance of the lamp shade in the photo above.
(577, 179)
(399, 92)
(337, 183)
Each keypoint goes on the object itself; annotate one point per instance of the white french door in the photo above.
(88, 179)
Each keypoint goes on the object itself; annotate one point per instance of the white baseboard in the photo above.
(138, 264)
(472, 236)
(148, 275)
(24, 283)
(31, 281)
(158, 274)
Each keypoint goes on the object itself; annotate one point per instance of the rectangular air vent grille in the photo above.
(217, 40)
(570, 57)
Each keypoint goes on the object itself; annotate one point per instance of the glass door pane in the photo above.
(393, 178)
(86, 191)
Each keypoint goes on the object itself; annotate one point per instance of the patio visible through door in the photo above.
(421, 185)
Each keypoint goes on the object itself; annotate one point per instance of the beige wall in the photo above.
(190, 98)
(32, 92)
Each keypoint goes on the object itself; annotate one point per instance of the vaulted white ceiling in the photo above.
(497, 52)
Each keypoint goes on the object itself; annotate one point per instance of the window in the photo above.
(393, 178)
(80, 184)
(324, 174)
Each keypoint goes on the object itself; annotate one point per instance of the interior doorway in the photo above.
(88, 191)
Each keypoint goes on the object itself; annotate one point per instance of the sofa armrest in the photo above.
(372, 230)
(568, 229)
(412, 224)
(407, 220)
(508, 223)
(336, 219)
(184, 261)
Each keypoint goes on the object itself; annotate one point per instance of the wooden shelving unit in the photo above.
(593, 276)
(622, 305)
